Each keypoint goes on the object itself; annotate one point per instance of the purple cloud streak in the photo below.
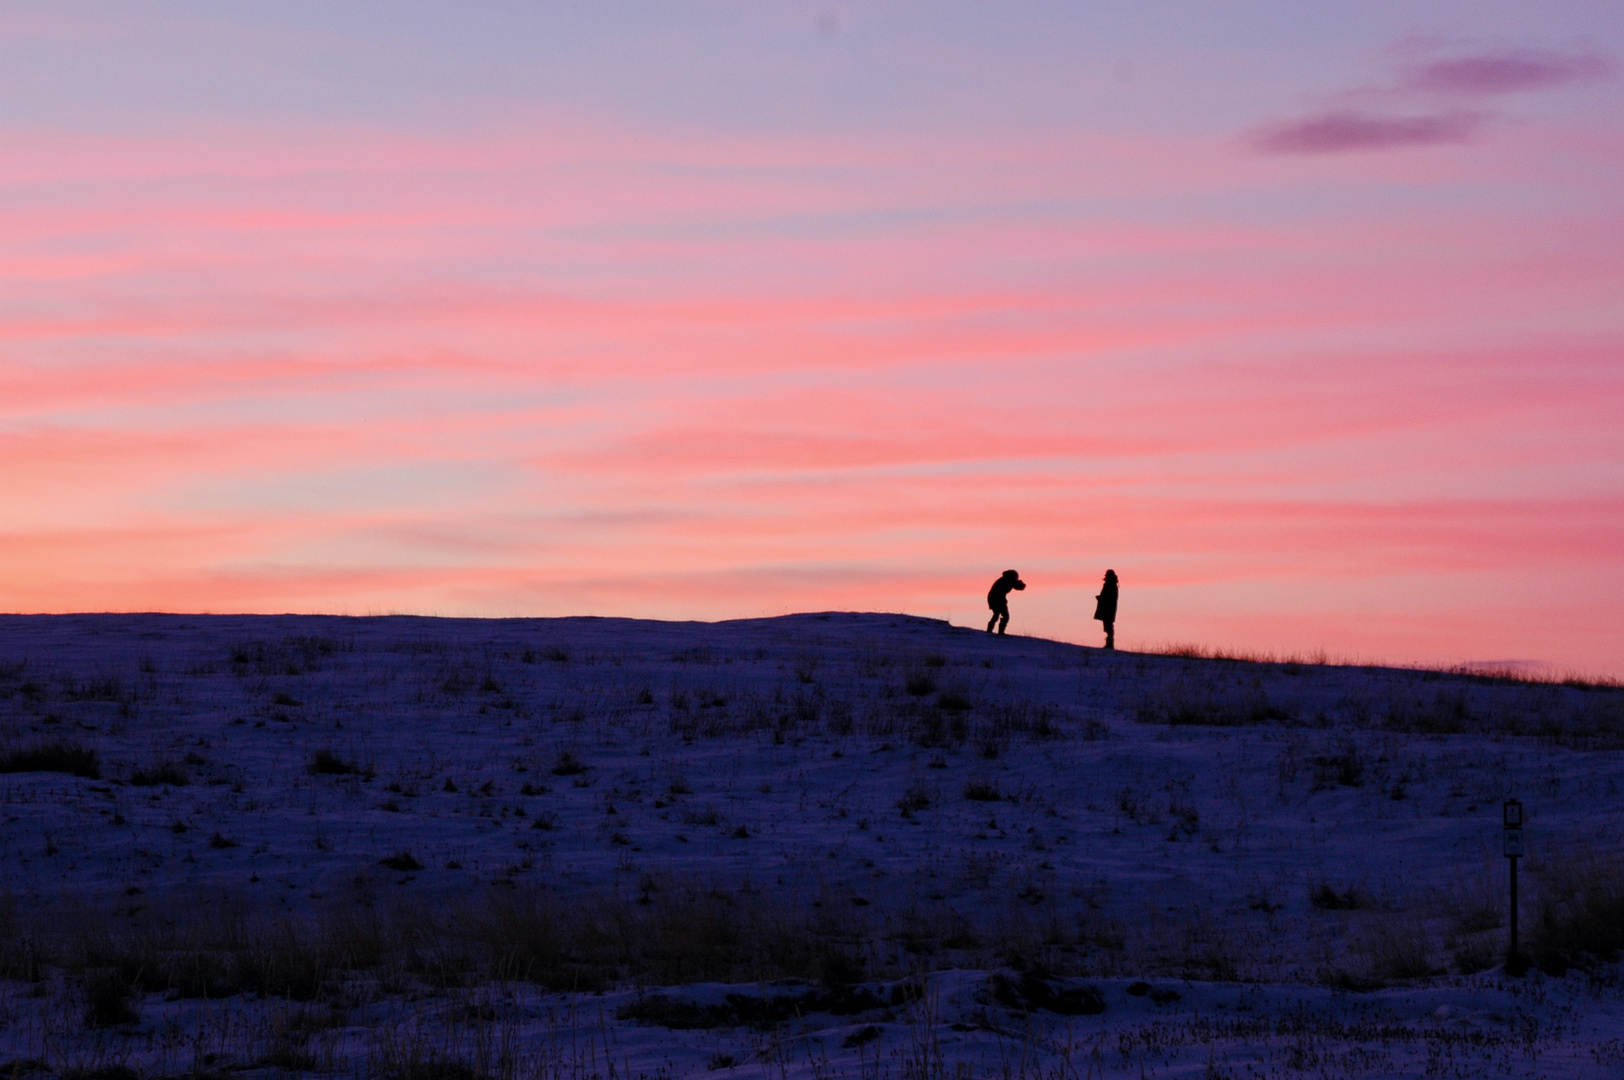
(1344, 130)
(1506, 72)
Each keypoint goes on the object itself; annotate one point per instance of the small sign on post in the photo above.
(1511, 845)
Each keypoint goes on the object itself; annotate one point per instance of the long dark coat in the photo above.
(1106, 601)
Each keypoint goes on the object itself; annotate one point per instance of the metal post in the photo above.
(1513, 956)
(1511, 846)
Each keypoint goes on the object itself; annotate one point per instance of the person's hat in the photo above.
(1012, 573)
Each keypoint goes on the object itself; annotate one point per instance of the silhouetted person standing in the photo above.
(998, 599)
(1105, 608)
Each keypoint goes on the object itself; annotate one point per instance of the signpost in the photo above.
(1511, 845)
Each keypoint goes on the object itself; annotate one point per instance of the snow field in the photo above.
(503, 811)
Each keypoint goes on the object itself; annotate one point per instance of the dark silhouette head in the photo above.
(1110, 575)
(1009, 574)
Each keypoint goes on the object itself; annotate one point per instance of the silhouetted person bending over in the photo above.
(1105, 608)
(998, 599)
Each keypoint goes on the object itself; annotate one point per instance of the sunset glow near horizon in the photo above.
(1308, 321)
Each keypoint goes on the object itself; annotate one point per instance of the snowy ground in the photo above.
(921, 849)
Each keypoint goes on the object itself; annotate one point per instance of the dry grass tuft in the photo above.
(55, 755)
(1579, 910)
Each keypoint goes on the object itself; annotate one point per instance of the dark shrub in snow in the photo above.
(58, 755)
(1031, 992)
(568, 765)
(982, 791)
(1327, 898)
(325, 762)
(163, 771)
(920, 683)
(108, 1000)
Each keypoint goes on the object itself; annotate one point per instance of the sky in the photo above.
(1307, 319)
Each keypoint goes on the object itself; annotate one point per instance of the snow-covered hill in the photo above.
(1009, 853)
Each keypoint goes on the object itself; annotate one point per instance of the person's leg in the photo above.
(992, 622)
(1110, 635)
(1003, 621)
